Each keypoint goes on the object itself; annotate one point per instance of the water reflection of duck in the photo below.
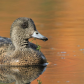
(20, 75)
(18, 50)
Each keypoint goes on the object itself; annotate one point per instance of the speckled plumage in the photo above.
(17, 50)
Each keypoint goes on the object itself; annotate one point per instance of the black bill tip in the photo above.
(45, 39)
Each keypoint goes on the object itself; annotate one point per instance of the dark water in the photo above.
(20, 75)
(62, 21)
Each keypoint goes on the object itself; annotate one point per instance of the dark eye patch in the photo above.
(24, 25)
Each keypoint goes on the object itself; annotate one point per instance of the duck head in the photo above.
(24, 28)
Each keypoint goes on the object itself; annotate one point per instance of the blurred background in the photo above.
(62, 21)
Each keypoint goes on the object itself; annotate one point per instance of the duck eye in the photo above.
(37, 33)
(25, 25)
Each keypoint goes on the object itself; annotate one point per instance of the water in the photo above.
(62, 21)
(22, 75)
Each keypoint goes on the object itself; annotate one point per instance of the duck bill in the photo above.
(37, 35)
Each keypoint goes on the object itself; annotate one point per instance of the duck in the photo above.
(17, 50)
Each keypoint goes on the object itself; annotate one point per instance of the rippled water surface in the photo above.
(62, 21)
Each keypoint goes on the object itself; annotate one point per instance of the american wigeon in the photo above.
(17, 50)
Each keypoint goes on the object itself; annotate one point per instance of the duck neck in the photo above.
(20, 43)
